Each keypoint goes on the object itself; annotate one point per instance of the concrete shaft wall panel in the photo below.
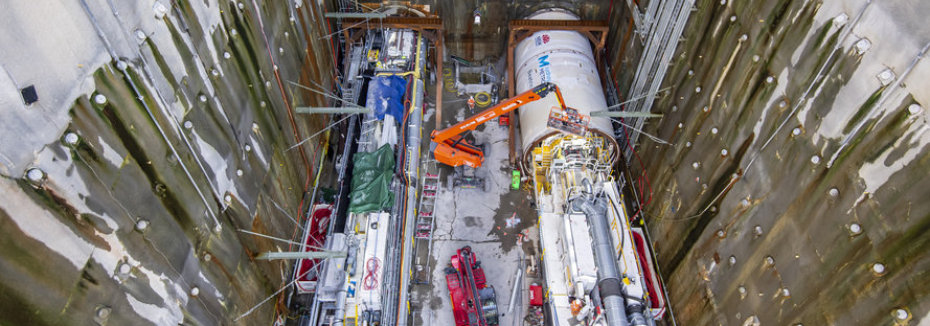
(157, 129)
(566, 59)
(821, 108)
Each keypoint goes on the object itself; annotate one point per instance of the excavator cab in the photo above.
(460, 154)
(456, 151)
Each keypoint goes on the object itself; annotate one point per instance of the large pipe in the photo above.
(616, 311)
(608, 276)
(414, 129)
(340, 305)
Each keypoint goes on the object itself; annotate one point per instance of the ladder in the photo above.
(426, 218)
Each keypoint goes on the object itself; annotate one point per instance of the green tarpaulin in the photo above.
(371, 181)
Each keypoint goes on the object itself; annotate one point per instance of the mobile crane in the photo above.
(453, 150)
(474, 302)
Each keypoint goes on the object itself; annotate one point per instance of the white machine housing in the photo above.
(375, 246)
(566, 59)
(582, 271)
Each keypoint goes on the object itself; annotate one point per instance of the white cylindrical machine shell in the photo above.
(564, 58)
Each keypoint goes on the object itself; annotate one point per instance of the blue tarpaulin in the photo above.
(386, 96)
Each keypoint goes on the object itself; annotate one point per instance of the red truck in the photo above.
(474, 302)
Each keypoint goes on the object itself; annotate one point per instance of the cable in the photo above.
(643, 176)
(371, 279)
(403, 136)
(654, 138)
(317, 134)
(290, 115)
(406, 180)
(271, 296)
(709, 205)
(330, 35)
(622, 234)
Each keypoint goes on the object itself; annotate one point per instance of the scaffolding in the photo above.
(662, 26)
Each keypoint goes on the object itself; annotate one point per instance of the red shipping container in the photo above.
(536, 295)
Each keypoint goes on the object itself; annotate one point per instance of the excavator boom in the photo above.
(451, 149)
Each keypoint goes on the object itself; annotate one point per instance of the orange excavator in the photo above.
(453, 150)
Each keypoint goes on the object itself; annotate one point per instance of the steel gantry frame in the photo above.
(430, 28)
(595, 30)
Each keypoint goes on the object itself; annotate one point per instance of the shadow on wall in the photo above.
(127, 181)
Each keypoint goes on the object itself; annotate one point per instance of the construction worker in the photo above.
(471, 102)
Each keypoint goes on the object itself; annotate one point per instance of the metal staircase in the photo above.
(426, 220)
(425, 216)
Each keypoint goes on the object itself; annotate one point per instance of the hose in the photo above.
(371, 278)
(485, 102)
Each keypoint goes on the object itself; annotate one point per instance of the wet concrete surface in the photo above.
(476, 218)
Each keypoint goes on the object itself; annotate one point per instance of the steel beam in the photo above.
(362, 15)
(330, 110)
(301, 255)
(416, 23)
(625, 114)
(564, 25)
